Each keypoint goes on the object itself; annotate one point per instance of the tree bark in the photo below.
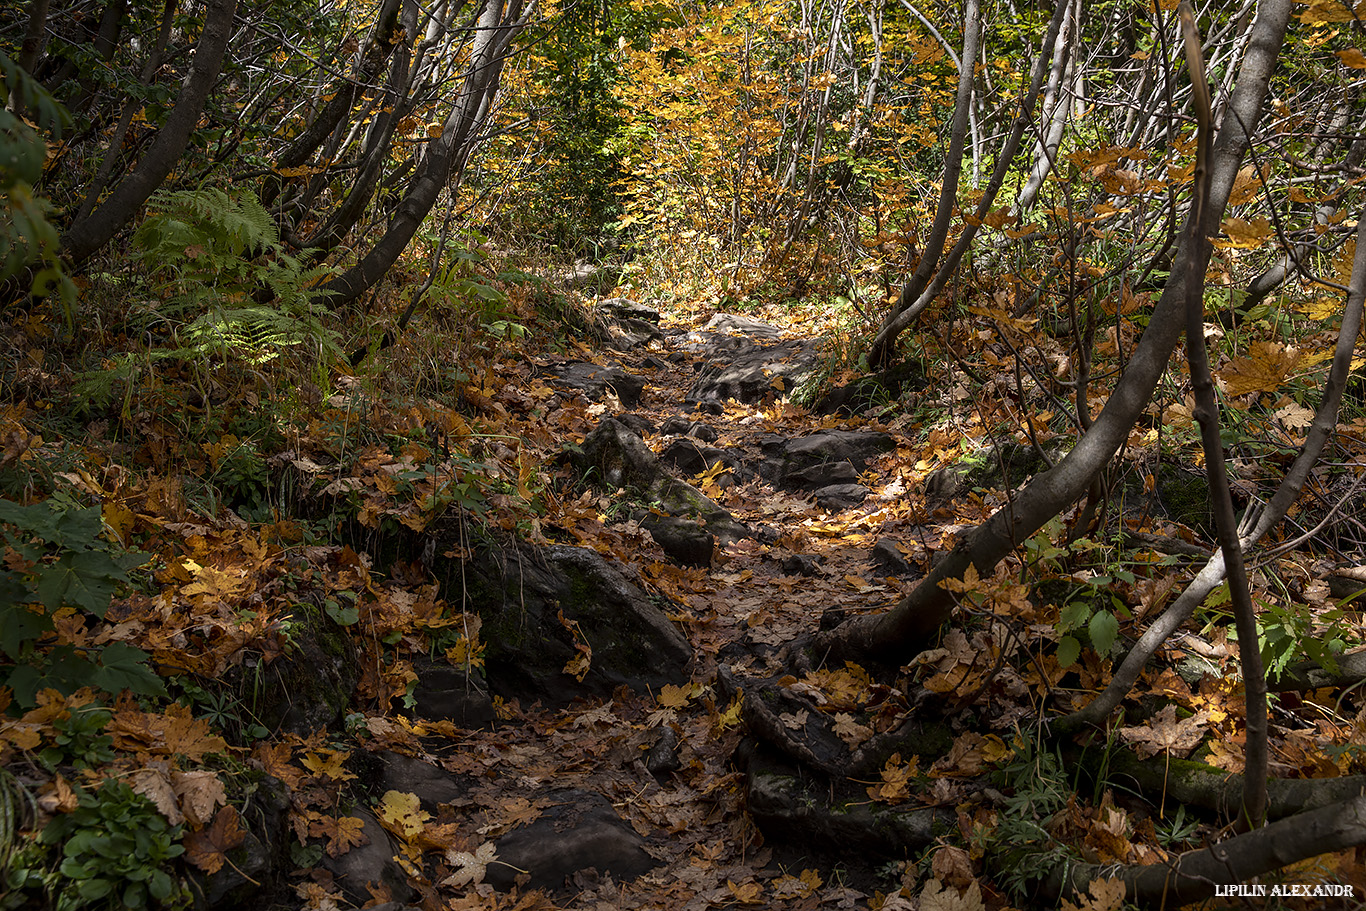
(909, 307)
(898, 634)
(1194, 875)
(88, 235)
(1320, 431)
(953, 164)
(497, 27)
(381, 43)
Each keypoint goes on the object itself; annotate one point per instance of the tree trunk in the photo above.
(953, 165)
(497, 27)
(88, 235)
(907, 628)
(908, 308)
(383, 39)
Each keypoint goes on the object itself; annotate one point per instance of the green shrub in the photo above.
(62, 561)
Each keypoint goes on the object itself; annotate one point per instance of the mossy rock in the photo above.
(545, 608)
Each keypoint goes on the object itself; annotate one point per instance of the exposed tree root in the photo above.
(1195, 875)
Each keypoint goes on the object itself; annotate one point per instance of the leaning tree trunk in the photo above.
(898, 634)
(917, 295)
(953, 165)
(384, 38)
(497, 26)
(87, 235)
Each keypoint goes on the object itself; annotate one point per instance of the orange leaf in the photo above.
(208, 848)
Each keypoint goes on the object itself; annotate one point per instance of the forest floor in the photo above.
(223, 591)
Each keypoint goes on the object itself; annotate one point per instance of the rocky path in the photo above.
(702, 502)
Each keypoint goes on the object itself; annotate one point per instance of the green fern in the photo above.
(214, 254)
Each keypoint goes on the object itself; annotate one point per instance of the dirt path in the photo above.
(759, 593)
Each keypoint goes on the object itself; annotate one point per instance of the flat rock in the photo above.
(888, 560)
(693, 458)
(788, 458)
(582, 832)
(684, 427)
(595, 381)
(825, 474)
(615, 457)
(432, 784)
(841, 496)
(748, 326)
(684, 541)
(625, 308)
(749, 372)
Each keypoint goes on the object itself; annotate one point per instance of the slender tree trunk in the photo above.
(880, 349)
(381, 43)
(497, 27)
(130, 107)
(87, 235)
(1056, 107)
(904, 630)
(953, 166)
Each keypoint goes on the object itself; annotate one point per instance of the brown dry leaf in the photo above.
(208, 848)
(1263, 369)
(1105, 895)
(1244, 234)
(328, 764)
(896, 777)
(748, 893)
(58, 797)
(199, 793)
(674, 697)
(938, 897)
(342, 833)
(187, 736)
(153, 781)
(848, 729)
(953, 865)
(275, 761)
(1164, 733)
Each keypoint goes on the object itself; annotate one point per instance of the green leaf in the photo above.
(1103, 629)
(1069, 649)
(19, 625)
(123, 667)
(85, 579)
(1074, 616)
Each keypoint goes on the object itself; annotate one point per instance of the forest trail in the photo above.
(811, 549)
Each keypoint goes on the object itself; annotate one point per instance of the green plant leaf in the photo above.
(1069, 649)
(1104, 627)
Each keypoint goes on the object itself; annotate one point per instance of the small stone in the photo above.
(841, 496)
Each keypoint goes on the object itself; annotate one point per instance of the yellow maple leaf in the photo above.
(674, 697)
(1263, 369)
(402, 814)
(328, 764)
(1352, 57)
(1244, 234)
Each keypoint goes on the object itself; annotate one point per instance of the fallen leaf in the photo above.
(208, 848)
(470, 868)
(402, 813)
